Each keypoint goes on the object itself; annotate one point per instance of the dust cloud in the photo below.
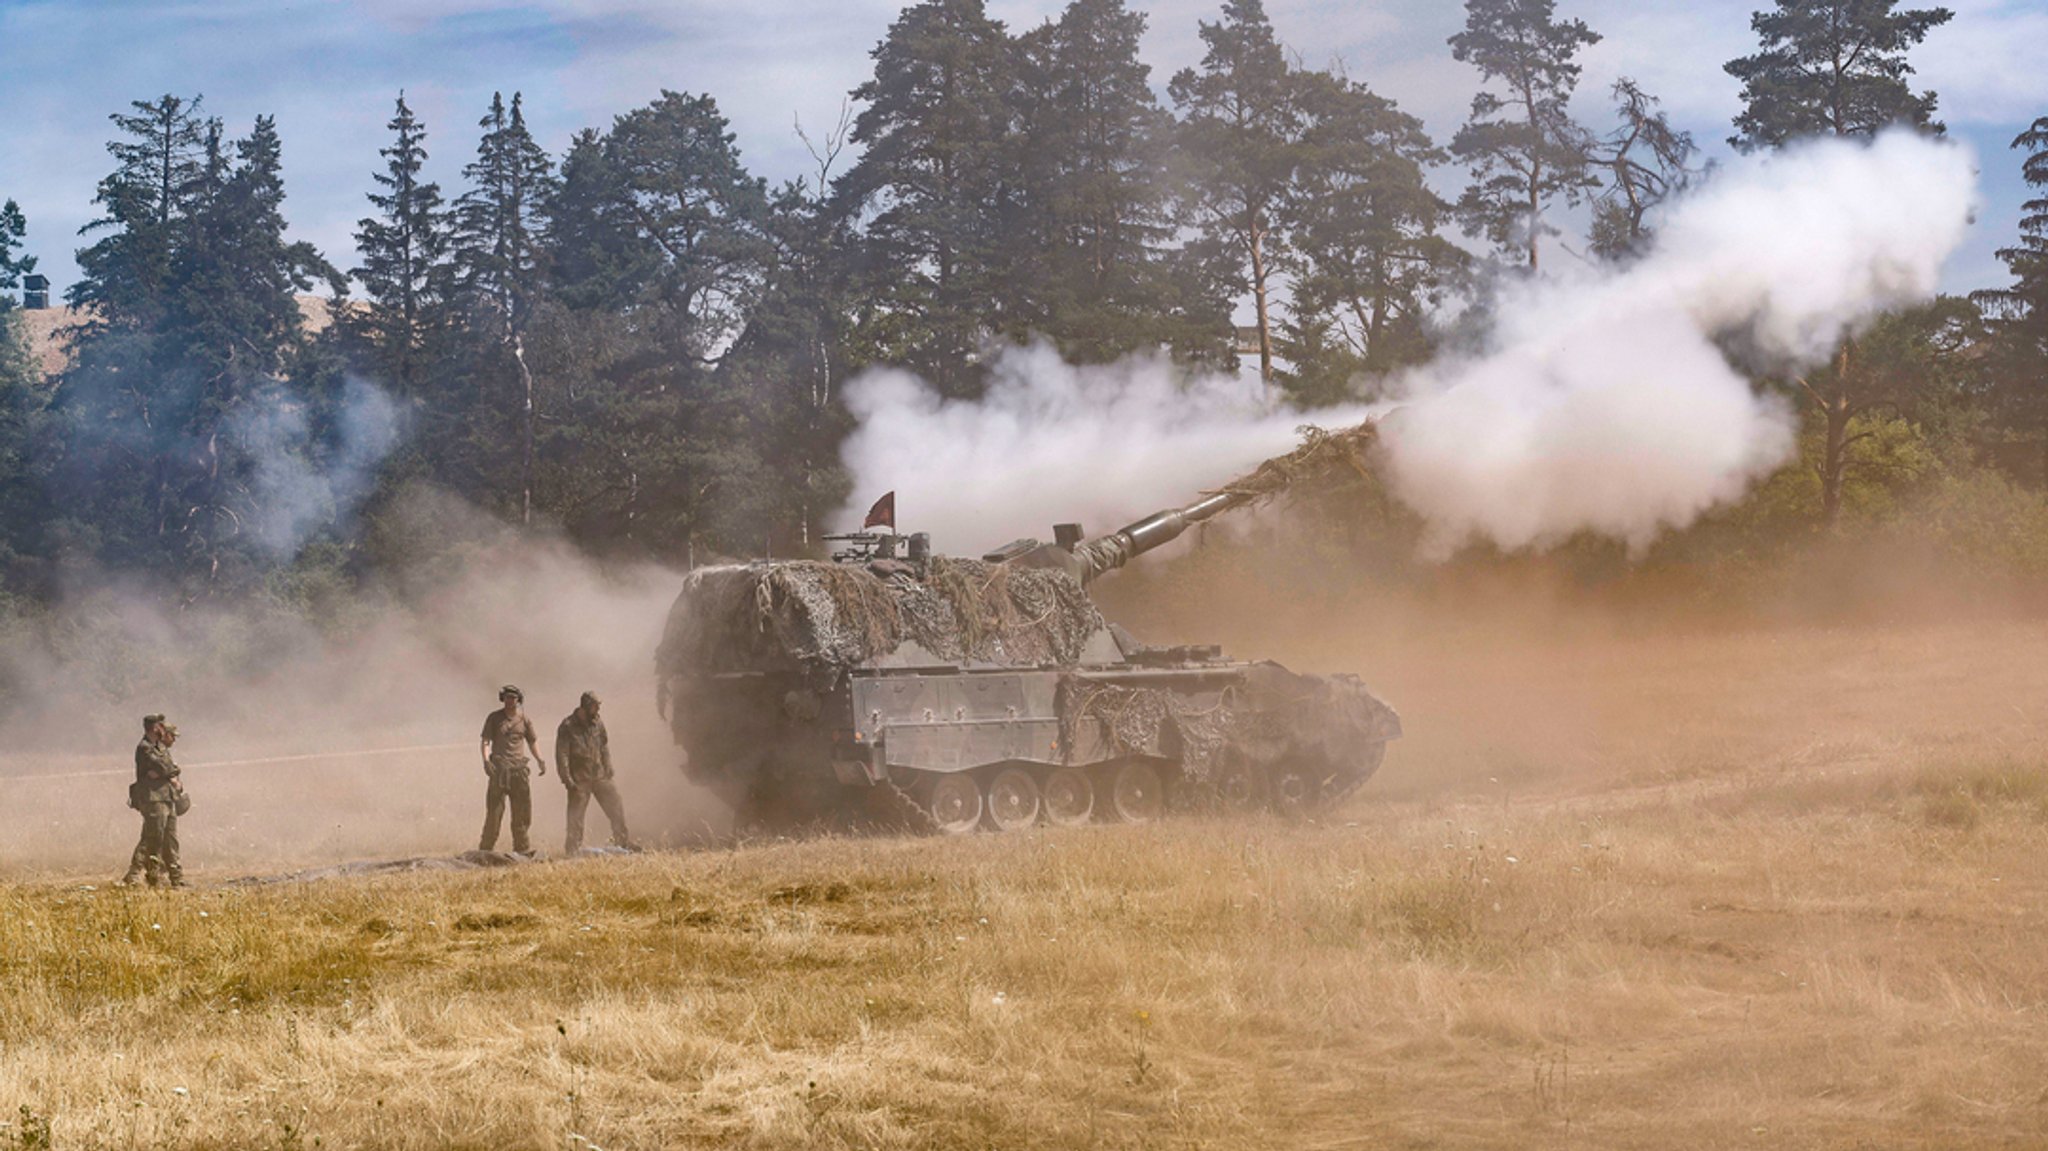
(353, 739)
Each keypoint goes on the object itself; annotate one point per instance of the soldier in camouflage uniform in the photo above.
(583, 758)
(507, 736)
(155, 794)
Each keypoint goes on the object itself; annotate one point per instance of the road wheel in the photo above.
(1069, 797)
(1294, 791)
(1137, 795)
(1237, 785)
(1012, 800)
(955, 803)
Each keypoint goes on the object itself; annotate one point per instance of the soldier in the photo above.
(156, 793)
(507, 736)
(583, 759)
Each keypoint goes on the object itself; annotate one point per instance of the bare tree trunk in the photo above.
(1834, 460)
(1258, 236)
(1837, 410)
(526, 454)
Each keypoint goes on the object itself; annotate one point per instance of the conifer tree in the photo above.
(498, 253)
(1523, 146)
(1366, 255)
(1832, 68)
(2017, 314)
(22, 510)
(404, 270)
(13, 229)
(1646, 161)
(1091, 254)
(1239, 137)
(936, 175)
(124, 276)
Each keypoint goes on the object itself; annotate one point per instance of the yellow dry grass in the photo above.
(1776, 889)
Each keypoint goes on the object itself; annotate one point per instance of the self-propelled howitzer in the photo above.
(955, 694)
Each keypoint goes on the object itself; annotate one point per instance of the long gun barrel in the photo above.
(1110, 552)
(1322, 454)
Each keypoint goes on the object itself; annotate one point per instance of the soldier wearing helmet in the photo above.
(507, 736)
(583, 760)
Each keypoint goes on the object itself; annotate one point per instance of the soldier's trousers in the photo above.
(156, 854)
(608, 799)
(513, 786)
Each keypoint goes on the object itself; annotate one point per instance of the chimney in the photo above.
(35, 291)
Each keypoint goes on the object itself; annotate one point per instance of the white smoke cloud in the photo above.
(1603, 404)
(1050, 442)
(301, 483)
(1600, 404)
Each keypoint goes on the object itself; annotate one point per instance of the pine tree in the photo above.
(658, 252)
(1832, 68)
(234, 314)
(404, 270)
(22, 510)
(936, 174)
(498, 225)
(698, 213)
(1367, 258)
(13, 228)
(1523, 146)
(123, 277)
(1646, 161)
(2017, 315)
(1091, 253)
(1239, 137)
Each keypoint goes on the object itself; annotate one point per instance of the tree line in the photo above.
(643, 343)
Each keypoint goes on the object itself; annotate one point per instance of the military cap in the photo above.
(149, 721)
(511, 692)
(170, 729)
(590, 697)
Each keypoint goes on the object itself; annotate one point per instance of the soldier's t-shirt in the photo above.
(156, 774)
(583, 750)
(508, 738)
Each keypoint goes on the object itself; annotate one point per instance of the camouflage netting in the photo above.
(1155, 721)
(804, 615)
(1329, 721)
(1324, 457)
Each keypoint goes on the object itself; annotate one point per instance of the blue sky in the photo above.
(328, 69)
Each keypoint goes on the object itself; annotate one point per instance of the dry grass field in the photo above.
(1619, 888)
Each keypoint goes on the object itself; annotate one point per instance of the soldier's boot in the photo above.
(132, 879)
(175, 879)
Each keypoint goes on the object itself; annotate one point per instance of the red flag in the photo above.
(882, 515)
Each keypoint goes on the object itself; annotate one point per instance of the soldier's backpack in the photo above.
(136, 791)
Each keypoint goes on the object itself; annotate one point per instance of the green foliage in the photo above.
(936, 174)
(1239, 144)
(405, 271)
(1092, 255)
(647, 346)
(23, 426)
(1522, 145)
(1832, 68)
(2017, 316)
(1646, 161)
(182, 362)
(1368, 261)
(13, 226)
